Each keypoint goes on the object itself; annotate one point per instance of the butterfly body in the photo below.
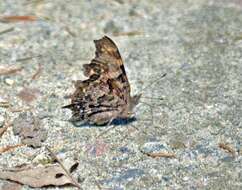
(105, 95)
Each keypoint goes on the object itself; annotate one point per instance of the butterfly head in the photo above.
(133, 102)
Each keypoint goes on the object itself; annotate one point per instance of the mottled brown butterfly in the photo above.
(105, 95)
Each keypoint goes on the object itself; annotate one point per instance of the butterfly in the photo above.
(105, 95)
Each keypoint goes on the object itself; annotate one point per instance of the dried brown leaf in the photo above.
(10, 147)
(67, 171)
(11, 186)
(28, 94)
(30, 129)
(38, 176)
(227, 148)
(9, 70)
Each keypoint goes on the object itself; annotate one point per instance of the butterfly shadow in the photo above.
(116, 122)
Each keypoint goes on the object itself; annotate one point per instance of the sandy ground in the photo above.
(197, 43)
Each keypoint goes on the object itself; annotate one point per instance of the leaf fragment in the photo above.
(30, 129)
(37, 176)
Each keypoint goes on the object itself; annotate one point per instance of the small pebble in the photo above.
(40, 158)
(9, 81)
(155, 147)
(185, 178)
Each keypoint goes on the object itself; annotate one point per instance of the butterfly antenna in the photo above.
(146, 97)
(154, 82)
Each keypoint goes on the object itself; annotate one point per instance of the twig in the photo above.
(2, 130)
(63, 167)
(70, 32)
(4, 104)
(97, 184)
(7, 30)
(27, 58)
(37, 74)
(20, 109)
(160, 154)
(131, 33)
(16, 18)
(227, 148)
(6, 126)
(34, 2)
(10, 147)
